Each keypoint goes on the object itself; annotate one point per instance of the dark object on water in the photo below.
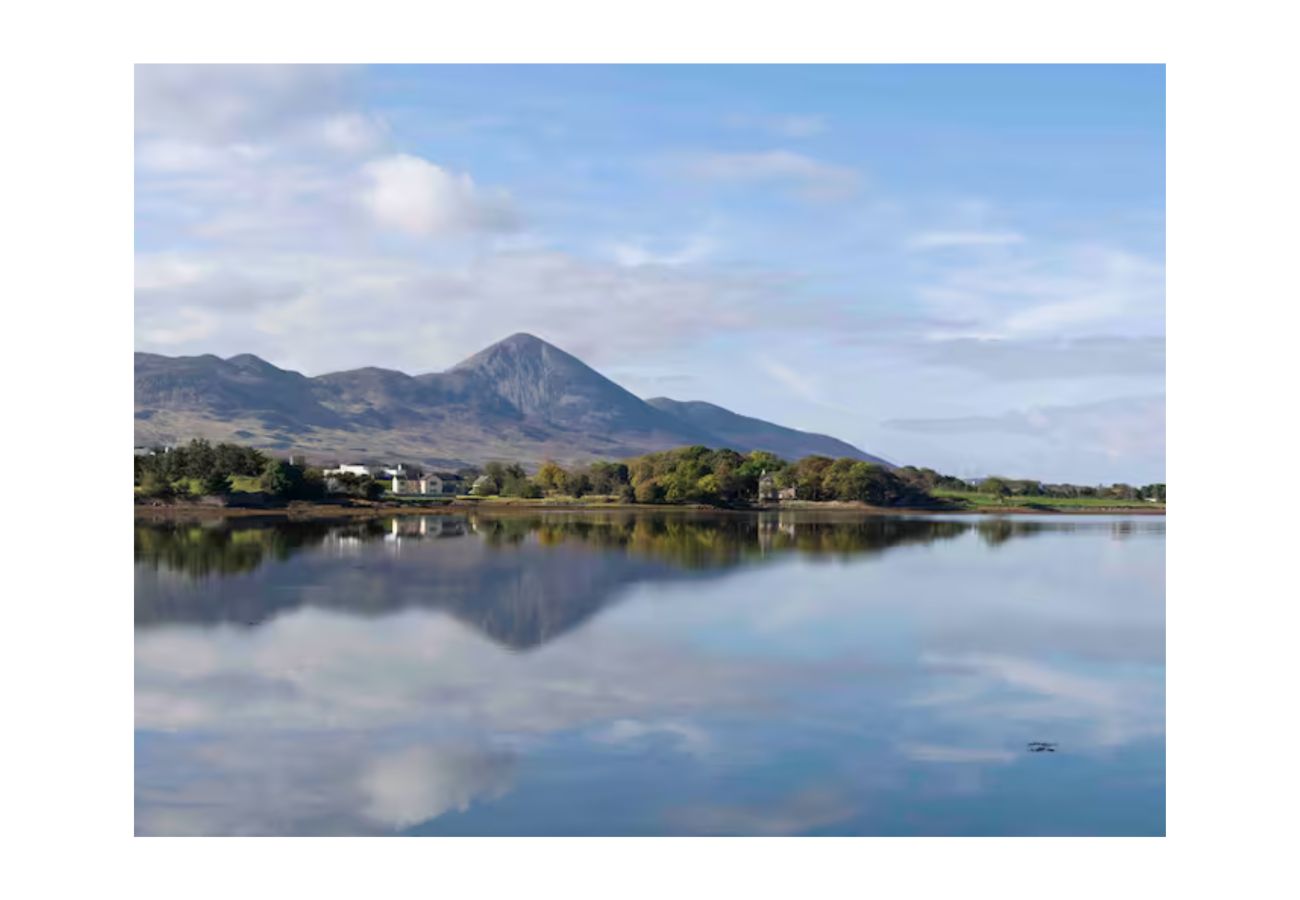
(1041, 746)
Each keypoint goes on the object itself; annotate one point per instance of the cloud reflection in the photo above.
(374, 693)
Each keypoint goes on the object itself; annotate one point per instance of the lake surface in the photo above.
(640, 673)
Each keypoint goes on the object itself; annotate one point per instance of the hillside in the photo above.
(520, 398)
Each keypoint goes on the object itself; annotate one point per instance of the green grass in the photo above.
(417, 499)
(976, 499)
(550, 500)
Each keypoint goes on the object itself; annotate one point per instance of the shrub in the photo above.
(153, 485)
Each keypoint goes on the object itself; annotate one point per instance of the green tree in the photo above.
(809, 477)
(197, 460)
(283, 480)
(577, 484)
(708, 489)
(649, 491)
(608, 477)
(216, 483)
(154, 485)
(997, 487)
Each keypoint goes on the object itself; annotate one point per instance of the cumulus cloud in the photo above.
(808, 178)
(421, 783)
(414, 196)
(282, 156)
(352, 784)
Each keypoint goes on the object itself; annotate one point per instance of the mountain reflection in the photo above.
(520, 579)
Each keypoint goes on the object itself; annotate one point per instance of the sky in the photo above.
(959, 267)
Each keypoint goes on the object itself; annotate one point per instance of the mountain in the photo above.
(734, 430)
(520, 398)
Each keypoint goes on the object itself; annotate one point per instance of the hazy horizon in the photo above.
(950, 266)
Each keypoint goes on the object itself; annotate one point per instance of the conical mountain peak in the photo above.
(521, 397)
(518, 346)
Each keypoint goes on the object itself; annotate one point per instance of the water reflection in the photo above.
(770, 674)
(508, 583)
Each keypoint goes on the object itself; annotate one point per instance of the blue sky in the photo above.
(955, 266)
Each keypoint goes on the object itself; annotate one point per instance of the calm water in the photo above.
(646, 674)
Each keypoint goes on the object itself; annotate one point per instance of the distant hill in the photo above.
(520, 398)
(733, 430)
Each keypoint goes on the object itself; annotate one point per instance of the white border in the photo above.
(1231, 288)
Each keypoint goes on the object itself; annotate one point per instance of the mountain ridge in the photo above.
(519, 398)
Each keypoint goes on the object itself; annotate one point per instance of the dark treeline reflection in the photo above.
(520, 579)
(705, 543)
(234, 547)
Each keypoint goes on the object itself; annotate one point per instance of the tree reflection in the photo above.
(520, 579)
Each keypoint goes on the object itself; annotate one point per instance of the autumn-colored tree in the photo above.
(551, 477)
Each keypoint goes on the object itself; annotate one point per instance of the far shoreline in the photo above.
(313, 511)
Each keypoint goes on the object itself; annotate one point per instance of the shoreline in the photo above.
(306, 511)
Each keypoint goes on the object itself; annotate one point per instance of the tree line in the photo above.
(1022, 487)
(201, 468)
(699, 474)
(695, 474)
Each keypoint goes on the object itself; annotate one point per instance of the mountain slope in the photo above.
(734, 430)
(520, 398)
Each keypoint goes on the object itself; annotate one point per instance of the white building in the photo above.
(425, 484)
(353, 469)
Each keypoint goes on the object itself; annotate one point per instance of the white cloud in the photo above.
(683, 736)
(809, 178)
(1123, 428)
(1055, 291)
(355, 784)
(412, 195)
(417, 784)
(1101, 712)
(351, 133)
(931, 240)
(222, 103)
(314, 671)
(651, 253)
(169, 155)
(795, 813)
(319, 315)
(1039, 359)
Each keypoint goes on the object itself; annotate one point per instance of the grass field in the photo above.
(978, 500)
